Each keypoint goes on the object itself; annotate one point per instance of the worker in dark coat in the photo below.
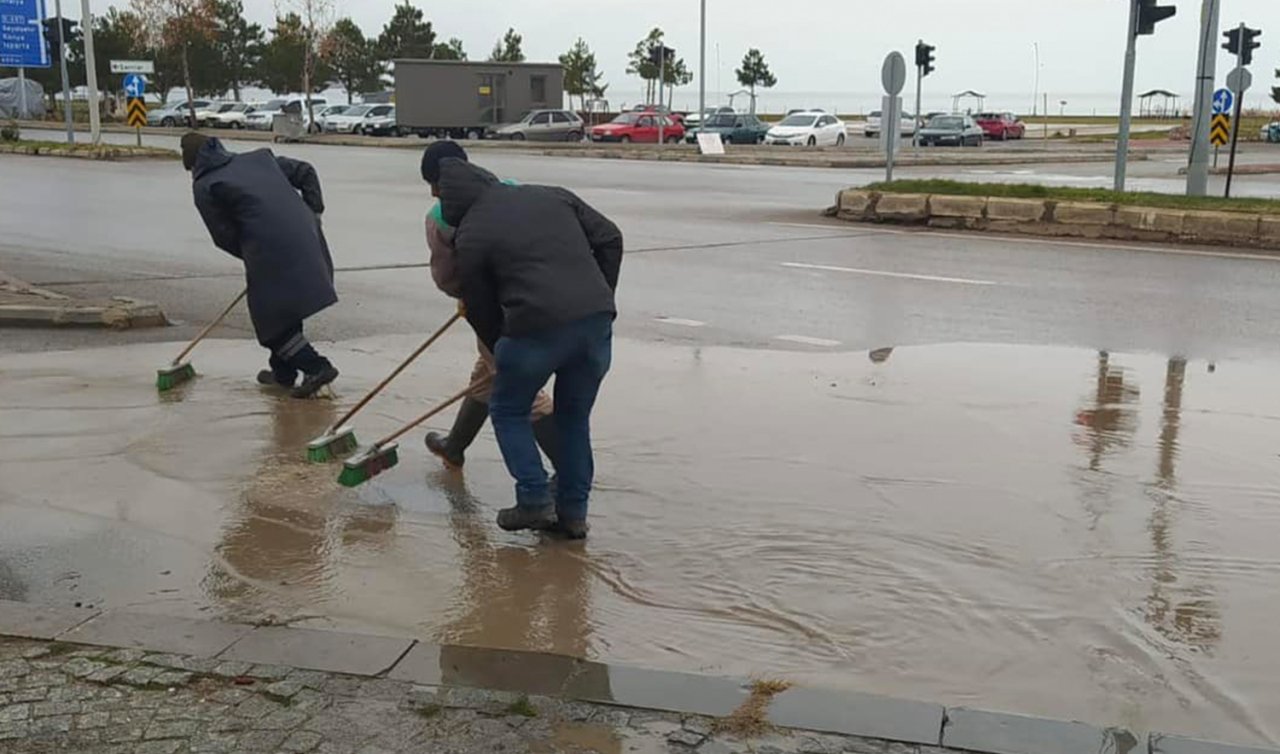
(265, 210)
(538, 268)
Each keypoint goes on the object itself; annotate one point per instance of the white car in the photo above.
(204, 115)
(906, 124)
(322, 116)
(811, 129)
(362, 119)
(262, 118)
(232, 116)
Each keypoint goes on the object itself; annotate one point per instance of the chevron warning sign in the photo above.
(137, 112)
(1220, 130)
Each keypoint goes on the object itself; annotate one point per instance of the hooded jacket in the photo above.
(251, 204)
(529, 258)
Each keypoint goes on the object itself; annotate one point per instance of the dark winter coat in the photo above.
(529, 258)
(253, 209)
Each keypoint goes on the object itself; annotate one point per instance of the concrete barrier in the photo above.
(1046, 217)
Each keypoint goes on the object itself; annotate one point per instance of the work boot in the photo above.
(311, 383)
(520, 518)
(451, 448)
(268, 378)
(544, 431)
(571, 529)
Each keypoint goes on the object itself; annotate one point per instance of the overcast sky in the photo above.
(838, 45)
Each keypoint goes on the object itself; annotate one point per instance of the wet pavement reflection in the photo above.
(1055, 531)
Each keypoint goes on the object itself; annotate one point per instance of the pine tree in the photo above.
(508, 49)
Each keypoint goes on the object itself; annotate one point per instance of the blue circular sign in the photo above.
(135, 85)
(1223, 101)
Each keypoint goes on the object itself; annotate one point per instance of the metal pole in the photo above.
(915, 133)
(22, 94)
(91, 72)
(892, 115)
(662, 75)
(1235, 125)
(702, 69)
(1206, 71)
(1126, 96)
(1035, 94)
(66, 80)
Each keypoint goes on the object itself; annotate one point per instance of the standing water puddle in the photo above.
(1042, 530)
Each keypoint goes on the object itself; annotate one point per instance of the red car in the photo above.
(1002, 126)
(640, 128)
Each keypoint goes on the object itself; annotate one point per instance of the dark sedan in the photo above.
(952, 130)
(733, 129)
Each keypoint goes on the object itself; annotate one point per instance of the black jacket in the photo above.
(529, 258)
(252, 207)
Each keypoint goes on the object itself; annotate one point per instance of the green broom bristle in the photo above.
(170, 377)
(356, 471)
(331, 446)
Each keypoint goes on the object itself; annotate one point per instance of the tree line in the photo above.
(209, 48)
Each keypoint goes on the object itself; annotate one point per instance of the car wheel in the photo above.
(840, 140)
(625, 139)
(168, 122)
(673, 139)
(237, 126)
(473, 135)
(574, 136)
(518, 137)
(813, 141)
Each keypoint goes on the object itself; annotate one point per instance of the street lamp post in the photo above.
(702, 66)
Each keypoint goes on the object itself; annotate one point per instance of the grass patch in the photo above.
(522, 707)
(1063, 193)
(751, 718)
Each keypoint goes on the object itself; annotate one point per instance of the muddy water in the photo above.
(1043, 530)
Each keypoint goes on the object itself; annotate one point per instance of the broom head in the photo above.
(331, 445)
(361, 468)
(174, 375)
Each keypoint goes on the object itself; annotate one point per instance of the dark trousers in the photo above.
(291, 353)
(578, 354)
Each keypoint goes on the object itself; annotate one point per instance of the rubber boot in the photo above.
(466, 425)
(544, 431)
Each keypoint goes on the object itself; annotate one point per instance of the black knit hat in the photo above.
(437, 152)
(192, 143)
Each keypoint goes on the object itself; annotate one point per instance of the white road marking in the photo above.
(680, 322)
(807, 341)
(885, 273)
(862, 230)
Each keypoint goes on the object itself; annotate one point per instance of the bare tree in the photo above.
(317, 19)
(173, 26)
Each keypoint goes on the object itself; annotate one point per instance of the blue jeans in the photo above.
(578, 354)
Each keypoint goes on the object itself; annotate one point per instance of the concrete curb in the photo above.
(1062, 218)
(105, 153)
(404, 659)
(22, 304)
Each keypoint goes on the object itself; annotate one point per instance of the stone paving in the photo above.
(58, 697)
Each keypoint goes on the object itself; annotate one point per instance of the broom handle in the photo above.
(209, 327)
(403, 366)
(459, 396)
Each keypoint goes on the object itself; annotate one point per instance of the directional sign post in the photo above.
(893, 74)
(133, 66)
(1220, 127)
(22, 41)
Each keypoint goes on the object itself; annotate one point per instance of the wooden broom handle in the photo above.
(473, 387)
(396, 372)
(209, 327)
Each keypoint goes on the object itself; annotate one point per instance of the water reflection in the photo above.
(1111, 418)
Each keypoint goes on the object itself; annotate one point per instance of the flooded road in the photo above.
(1045, 530)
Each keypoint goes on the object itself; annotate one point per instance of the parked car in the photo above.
(322, 116)
(543, 125)
(795, 110)
(361, 119)
(1002, 126)
(1271, 132)
(956, 130)
(262, 118)
(231, 116)
(694, 119)
(381, 121)
(639, 127)
(205, 115)
(175, 114)
(906, 126)
(812, 129)
(733, 129)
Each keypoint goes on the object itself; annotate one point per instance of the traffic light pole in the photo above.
(702, 67)
(1206, 71)
(66, 80)
(1126, 97)
(915, 132)
(91, 73)
(1235, 122)
(662, 77)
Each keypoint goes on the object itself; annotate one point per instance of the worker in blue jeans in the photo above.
(538, 269)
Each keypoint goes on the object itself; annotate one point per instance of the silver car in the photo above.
(176, 114)
(544, 125)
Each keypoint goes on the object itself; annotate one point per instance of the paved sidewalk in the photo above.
(74, 698)
(24, 304)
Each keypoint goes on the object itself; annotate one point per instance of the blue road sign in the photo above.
(21, 34)
(135, 85)
(1223, 101)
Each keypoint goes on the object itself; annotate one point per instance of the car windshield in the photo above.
(627, 118)
(273, 106)
(227, 108)
(359, 110)
(337, 109)
(799, 120)
(948, 122)
(987, 116)
(721, 121)
(874, 114)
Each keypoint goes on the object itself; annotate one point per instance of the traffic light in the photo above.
(656, 55)
(1242, 41)
(1150, 14)
(53, 40)
(924, 58)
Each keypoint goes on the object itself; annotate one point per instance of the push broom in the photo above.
(384, 454)
(179, 372)
(339, 439)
